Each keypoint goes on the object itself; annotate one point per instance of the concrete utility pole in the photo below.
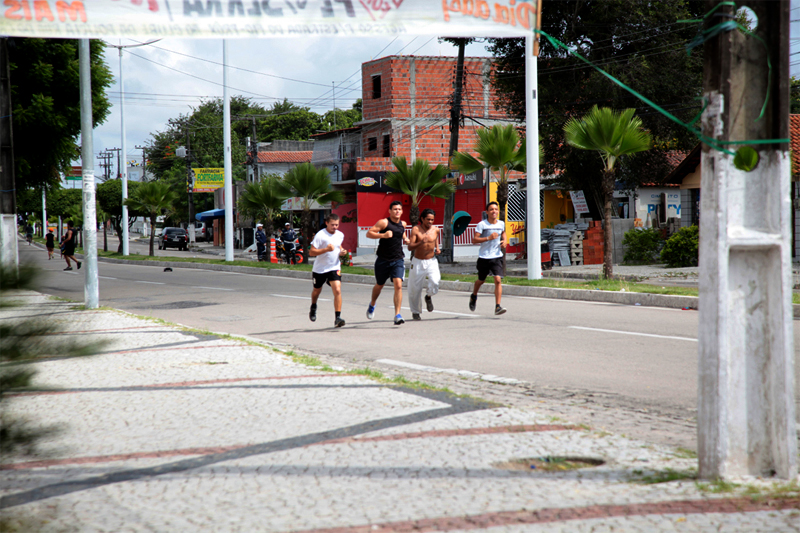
(9, 256)
(533, 237)
(119, 167)
(746, 413)
(226, 139)
(144, 161)
(448, 242)
(90, 284)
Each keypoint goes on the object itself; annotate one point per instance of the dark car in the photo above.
(174, 237)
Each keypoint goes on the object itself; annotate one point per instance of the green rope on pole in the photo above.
(710, 141)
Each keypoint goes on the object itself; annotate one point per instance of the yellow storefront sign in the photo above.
(208, 179)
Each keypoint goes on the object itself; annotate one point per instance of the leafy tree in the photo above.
(45, 95)
(60, 201)
(419, 181)
(497, 150)
(344, 118)
(612, 134)
(154, 198)
(289, 121)
(794, 96)
(312, 185)
(640, 43)
(262, 200)
(109, 200)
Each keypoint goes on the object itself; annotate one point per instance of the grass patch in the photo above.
(374, 374)
(718, 486)
(685, 453)
(664, 476)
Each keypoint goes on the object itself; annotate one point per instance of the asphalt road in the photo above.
(637, 356)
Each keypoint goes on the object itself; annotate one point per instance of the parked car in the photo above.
(200, 232)
(174, 237)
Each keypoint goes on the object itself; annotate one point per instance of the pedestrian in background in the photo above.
(424, 244)
(390, 263)
(68, 247)
(261, 241)
(50, 244)
(327, 248)
(491, 235)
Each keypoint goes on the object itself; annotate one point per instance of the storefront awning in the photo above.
(207, 216)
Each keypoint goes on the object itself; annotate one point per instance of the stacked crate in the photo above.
(593, 244)
(576, 248)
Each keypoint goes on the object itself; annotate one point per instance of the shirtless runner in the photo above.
(425, 245)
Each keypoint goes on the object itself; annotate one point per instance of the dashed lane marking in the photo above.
(214, 288)
(635, 333)
(151, 282)
(299, 297)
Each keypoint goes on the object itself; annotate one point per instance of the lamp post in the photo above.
(124, 154)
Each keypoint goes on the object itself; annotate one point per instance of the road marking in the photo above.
(214, 288)
(151, 282)
(442, 312)
(105, 277)
(299, 297)
(635, 333)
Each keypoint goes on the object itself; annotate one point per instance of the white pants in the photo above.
(421, 269)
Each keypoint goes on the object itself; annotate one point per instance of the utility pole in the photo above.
(333, 86)
(90, 285)
(106, 164)
(119, 168)
(746, 413)
(8, 198)
(455, 123)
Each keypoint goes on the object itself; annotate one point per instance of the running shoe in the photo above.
(399, 320)
(416, 316)
(371, 312)
(68, 268)
(429, 303)
(498, 310)
(79, 265)
(313, 313)
(473, 299)
(339, 322)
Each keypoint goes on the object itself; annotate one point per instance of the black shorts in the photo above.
(389, 270)
(490, 266)
(326, 277)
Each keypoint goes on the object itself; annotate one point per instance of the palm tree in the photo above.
(498, 151)
(155, 198)
(419, 181)
(612, 134)
(312, 185)
(263, 200)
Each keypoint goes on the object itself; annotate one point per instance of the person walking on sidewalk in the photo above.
(491, 235)
(390, 262)
(50, 244)
(69, 246)
(261, 241)
(327, 248)
(424, 243)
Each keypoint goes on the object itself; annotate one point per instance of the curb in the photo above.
(621, 298)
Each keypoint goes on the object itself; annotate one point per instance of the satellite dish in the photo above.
(460, 222)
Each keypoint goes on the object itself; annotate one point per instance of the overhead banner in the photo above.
(208, 179)
(231, 19)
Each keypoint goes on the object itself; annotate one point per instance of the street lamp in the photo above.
(124, 169)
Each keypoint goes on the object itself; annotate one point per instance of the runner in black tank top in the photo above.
(390, 262)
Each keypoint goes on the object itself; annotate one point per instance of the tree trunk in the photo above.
(414, 214)
(117, 223)
(502, 201)
(105, 236)
(152, 233)
(608, 198)
(307, 234)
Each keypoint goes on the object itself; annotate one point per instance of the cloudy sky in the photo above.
(169, 77)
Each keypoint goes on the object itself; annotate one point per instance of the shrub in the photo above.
(680, 250)
(642, 246)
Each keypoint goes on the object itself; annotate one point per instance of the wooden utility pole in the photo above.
(746, 414)
(455, 123)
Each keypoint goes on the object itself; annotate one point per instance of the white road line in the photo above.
(105, 277)
(151, 282)
(635, 333)
(214, 288)
(442, 312)
(299, 297)
(437, 370)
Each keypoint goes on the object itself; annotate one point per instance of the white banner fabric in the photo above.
(230, 19)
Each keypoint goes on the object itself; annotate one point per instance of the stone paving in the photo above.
(171, 429)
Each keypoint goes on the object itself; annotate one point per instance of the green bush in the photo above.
(642, 246)
(680, 250)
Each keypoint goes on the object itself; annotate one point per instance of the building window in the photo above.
(387, 147)
(372, 144)
(376, 87)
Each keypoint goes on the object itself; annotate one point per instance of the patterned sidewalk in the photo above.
(169, 429)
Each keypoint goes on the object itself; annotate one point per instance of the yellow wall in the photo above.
(554, 207)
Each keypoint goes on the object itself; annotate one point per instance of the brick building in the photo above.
(406, 112)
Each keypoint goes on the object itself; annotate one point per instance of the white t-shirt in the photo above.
(490, 249)
(329, 260)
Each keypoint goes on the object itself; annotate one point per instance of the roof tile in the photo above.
(285, 157)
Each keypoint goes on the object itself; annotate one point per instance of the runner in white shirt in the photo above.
(491, 235)
(327, 248)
